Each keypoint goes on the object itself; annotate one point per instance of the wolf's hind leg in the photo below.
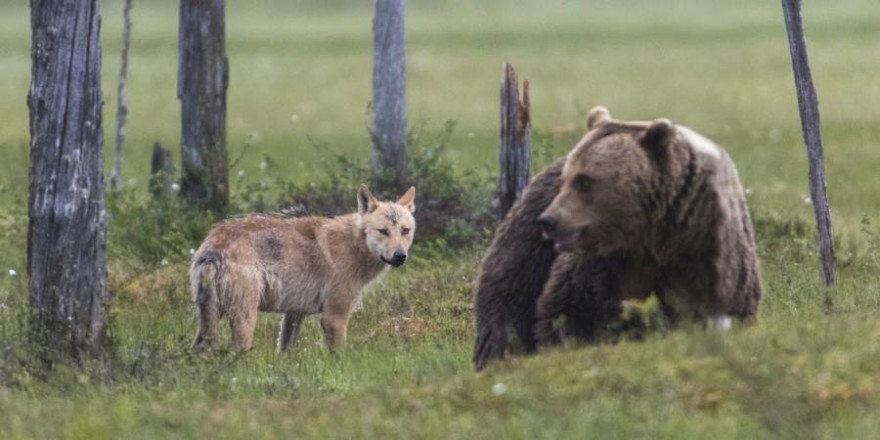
(290, 324)
(242, 327)
(207, 306)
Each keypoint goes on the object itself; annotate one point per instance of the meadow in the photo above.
(298, 97)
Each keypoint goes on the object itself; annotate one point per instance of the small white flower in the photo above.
(499, 389)
(164, 262)
(748, 191)
(294, 117)
(808, 200)
(264, 165)
(175, 187)
(192, 251)
(241, 174)
(12, 272)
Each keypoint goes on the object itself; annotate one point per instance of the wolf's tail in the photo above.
(204, 278)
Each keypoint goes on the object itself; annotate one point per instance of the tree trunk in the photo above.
(516, 140)
(389, 95)
(808, 103)
(66, 234)
(202, 82)
(121, 107)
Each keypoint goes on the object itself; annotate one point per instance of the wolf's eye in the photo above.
(582, 183)
(383, 231)
(404, 231)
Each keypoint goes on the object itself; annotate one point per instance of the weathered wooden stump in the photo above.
(202, 82)
(388, 155)
(161, 172)
(516, 140)
(66, 233)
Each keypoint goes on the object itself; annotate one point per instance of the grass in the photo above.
(722, 67)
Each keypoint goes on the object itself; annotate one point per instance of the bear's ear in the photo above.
(597, 116)
(658, 135)
(366, 201)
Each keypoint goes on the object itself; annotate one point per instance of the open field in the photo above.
(300, 78)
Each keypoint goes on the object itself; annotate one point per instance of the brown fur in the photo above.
(668, 203)
(296, 266)
(662, 212)
(514, 271)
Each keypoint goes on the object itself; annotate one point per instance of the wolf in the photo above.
(298, 267)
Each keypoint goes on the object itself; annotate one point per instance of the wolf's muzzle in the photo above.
(397, 260)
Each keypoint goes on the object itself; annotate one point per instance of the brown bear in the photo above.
(514, 272)
(635, 208)
(517, 269)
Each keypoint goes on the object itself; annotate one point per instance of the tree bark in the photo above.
(66, 235)
(388, 156)
(516, 140)
(121, 107)
(808, 103)
(203, 79)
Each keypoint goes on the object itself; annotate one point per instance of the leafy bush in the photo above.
(153, 230)
(454, 207)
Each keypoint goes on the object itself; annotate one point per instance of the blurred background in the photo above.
(301, 76)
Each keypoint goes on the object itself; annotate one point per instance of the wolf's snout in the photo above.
(547, 224)
(398, 259)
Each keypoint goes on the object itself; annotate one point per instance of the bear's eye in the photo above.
(383, 231)
(404, 231)
(582, 183)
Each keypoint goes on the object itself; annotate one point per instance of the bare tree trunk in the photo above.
(808, 103)
(161, 171)
(202, 82)
(121, 107)
(389, 94)
(516, 139)
(66, 234)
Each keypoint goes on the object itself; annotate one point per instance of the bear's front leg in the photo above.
(567, 293)
(583, 289)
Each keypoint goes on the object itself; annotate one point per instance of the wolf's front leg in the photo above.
(337, 311)
(335, 329)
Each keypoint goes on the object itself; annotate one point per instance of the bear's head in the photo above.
(604, 201)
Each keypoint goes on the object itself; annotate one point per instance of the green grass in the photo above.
(721, 67)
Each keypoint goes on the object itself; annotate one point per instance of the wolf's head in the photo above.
(388, 226)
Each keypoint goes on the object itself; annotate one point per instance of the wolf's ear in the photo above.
(366, 201)
(597, 116)
(408, 200)
(658, 135)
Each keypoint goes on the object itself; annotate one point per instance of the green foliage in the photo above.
(453, 207)
(153, 230)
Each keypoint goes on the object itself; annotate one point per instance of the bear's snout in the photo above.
(548, 224)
